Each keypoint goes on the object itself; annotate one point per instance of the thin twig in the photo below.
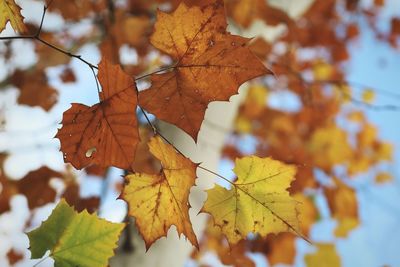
(41, 21)
(342, 83)
(155, 72)
(362, 86)
(95, 78)
(37, 37)
(67, 53)
(216, 174)
(148, 120)
(17, 37)
(39, 262)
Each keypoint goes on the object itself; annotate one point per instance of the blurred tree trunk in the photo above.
(173, 251)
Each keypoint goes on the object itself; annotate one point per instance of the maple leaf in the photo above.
(76, 9)
(330, 141)
(342, 201)
(215, 241)
(162, 200)
(326, 256)
(280, 249)
(244, 12)
(68, 76)
(14, 256)
(7, 187)
(210, 65)
(383, 177)
(10, 11)
(105, 134)
(75, 239)
(35, 186)
(34, 89)
(257, 202)
(72, 197)
(368, 96)
(45, 97)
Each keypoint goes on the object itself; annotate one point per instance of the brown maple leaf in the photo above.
(73, 198)
(35, 89)
(14, 256)
(105, 134)
(34, 186)
(76, 10)
(210, 65)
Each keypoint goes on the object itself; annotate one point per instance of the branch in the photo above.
(38, 38)
(340, 83)
(155, 72)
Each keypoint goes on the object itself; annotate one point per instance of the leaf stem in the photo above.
(155, 72)
(148, 120)
(40, 261)
(216, 174)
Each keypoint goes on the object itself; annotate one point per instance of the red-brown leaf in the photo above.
(105, 134)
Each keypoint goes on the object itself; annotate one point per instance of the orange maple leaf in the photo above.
(245, 12)
(105, 134)
(210, 65)
(28, 83)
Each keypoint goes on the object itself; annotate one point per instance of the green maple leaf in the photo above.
(75, 239)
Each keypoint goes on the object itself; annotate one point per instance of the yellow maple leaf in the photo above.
(383, 177)
(257, 94)
(358, 164)
(332, 142)
(343, 204)
(162, 200)
(345, 226)
(322, 71)
(384, 151)
(367, 136)
(356, 116)
(368, 95)
(11, 12)
(255, 101)
(326, 256)
(258, 201)
(343, 93)
(243, 125)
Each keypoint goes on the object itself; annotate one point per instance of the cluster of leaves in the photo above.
(328, 156)
(198, 61)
